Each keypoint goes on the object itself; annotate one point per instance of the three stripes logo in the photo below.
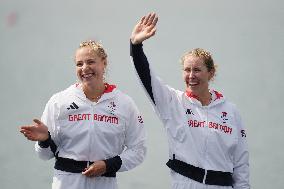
(73, 106)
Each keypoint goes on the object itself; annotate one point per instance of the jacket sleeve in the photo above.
(159, 93)
(45, 149)
(135, 138)
(241, 158)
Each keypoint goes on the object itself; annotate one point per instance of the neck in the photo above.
(204, 97)
(94, 93)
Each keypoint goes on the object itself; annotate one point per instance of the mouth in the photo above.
(192, 83)
(87, 76)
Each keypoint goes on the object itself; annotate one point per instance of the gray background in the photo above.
(37, 44)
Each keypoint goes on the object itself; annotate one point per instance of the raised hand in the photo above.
(36, 132)
(96, 169)
(144, 29)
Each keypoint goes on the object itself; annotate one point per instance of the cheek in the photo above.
(78, 72)
(185, 77)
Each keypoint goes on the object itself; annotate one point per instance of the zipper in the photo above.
(91, 128)
(207, 134)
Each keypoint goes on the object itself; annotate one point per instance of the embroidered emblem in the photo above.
(189, 111)
(112, 107)
(140, 119)
(224, 117)
(243, 132)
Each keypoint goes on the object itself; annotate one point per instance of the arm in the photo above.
(134, 152)
(47, 149)
(143, 30)
(135, 139)
(159, 93)
(241, 159)
(39, 132)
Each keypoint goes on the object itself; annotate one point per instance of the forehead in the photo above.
(85, 52)
(191, 60)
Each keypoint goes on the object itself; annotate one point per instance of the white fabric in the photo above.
(210, 137)
(95, 131)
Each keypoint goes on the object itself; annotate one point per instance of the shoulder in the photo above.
(60, 95)
(123, 97)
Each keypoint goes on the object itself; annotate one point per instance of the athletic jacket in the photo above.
(210, 137)
(87, 131)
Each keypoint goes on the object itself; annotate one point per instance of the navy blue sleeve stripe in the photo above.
(113, 164)
(142, 67)
(49, 143)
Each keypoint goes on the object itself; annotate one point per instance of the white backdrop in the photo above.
(37, 43)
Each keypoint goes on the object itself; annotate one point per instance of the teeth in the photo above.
(87, 75)
(192, 83)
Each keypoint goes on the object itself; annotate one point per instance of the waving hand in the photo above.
(144, 29)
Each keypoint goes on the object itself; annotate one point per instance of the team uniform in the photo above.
(82, 131)
(207, 144)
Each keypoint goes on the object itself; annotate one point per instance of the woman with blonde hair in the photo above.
(92, 129)
(207, 140)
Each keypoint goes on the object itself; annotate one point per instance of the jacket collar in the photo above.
(217, 98)
(108, 93)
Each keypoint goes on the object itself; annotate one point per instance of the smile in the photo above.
(86, 76)
(193, 83)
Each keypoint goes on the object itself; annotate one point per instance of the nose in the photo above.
(191, 74)
(85, 66)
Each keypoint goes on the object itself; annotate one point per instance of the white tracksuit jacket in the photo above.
(89, 131)
(210, 137)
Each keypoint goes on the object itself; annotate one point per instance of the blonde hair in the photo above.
(204, 55)
(97, 47)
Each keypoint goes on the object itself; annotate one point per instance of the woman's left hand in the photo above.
(144, 29)
(96, 169)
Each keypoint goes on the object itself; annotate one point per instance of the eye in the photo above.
(187, 69)
(91, 62)
(197, 70)
(79, 64)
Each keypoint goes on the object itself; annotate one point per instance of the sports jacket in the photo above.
(210, 137)
(87, 131)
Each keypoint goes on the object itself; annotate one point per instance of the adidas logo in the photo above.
(73, 106)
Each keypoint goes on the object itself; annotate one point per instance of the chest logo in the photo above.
(73, 106)
(112, 107)
(224, 117)
(189, 111)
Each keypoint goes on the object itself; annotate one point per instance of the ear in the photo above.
(211, 74)
(105, 62)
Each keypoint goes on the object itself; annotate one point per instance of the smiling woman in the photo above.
(207, 141)
(91, 62)
(92, 129)
(198, 70)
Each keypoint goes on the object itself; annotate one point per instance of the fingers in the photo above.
(141, 20)
(88, 171)
(145, 19)
(36, 132)
(27, 127)
(152, 32)
(96, 169)
(150, 19)
(155, 20)
(37, 121)
(28, 134)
